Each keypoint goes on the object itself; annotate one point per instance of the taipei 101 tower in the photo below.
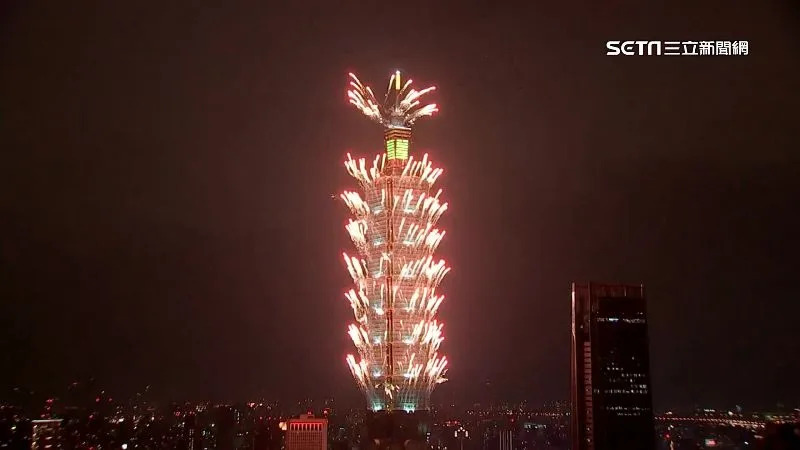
(396, 275)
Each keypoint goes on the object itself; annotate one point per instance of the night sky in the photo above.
(167, 173)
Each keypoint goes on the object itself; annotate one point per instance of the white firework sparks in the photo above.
(396, 331)
(401, 106)
(396, 271)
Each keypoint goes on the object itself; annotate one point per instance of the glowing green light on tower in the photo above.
(402, 149)
(397, 148)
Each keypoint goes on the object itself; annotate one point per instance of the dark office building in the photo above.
(612, 407)
(385, 430)
(192, 437)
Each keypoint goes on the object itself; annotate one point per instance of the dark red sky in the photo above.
(167, 170)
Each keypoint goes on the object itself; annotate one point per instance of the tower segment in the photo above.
(395, 298)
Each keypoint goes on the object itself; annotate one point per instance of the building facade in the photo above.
(612, 406)
(46, 434)
(307, 433)
(506, 440)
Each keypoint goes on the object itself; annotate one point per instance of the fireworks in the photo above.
(395, 274)
(401, 106)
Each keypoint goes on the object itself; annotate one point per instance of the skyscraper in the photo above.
(506, 440)
(224, 427)
(192, 438)
(307, 433)
(395, 299)
(611, 398)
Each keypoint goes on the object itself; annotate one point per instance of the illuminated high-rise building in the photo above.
(307, 433)
(612, 407)
(46, 434)
(192, 436)
(395, 297)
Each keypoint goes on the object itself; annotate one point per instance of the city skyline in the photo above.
(258, 425)
(168, 216)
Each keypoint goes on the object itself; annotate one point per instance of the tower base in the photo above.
(391, 430)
